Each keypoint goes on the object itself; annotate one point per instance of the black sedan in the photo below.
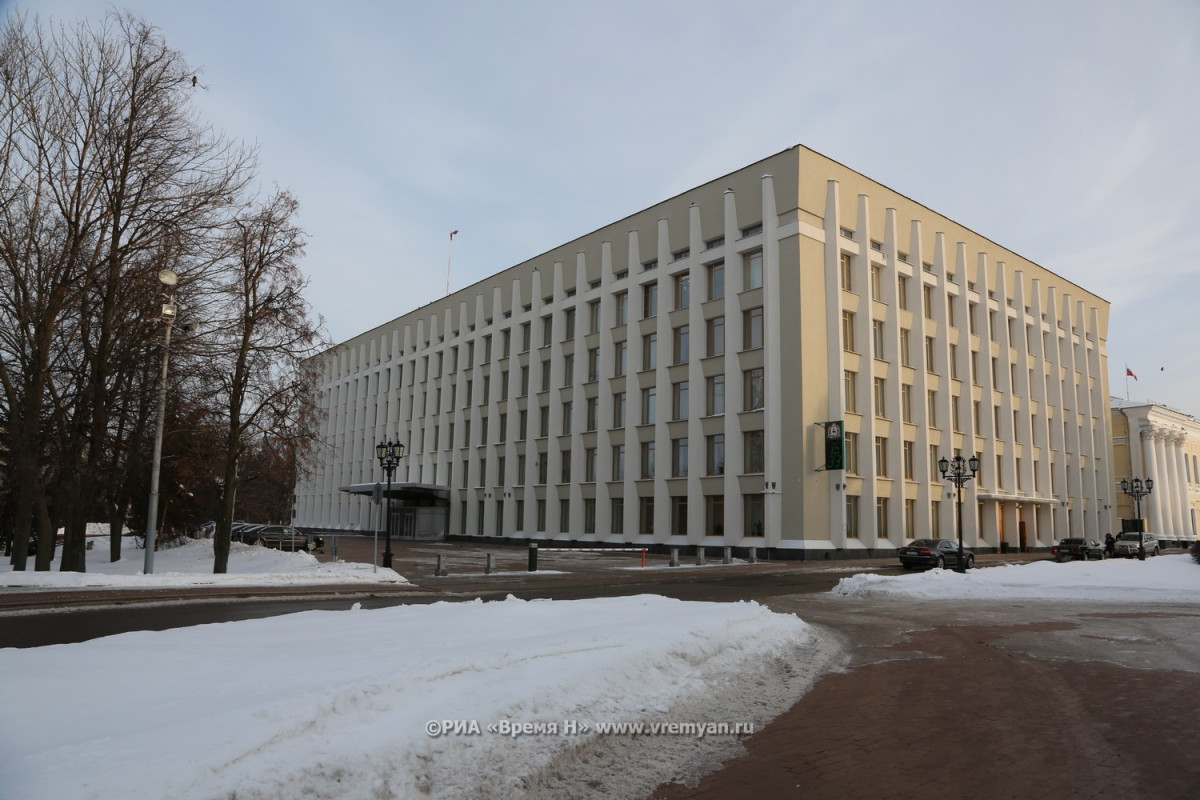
(933, 553)
(1087, 549)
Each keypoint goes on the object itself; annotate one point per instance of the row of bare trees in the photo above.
(107, 177)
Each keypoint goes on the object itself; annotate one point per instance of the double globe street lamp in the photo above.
(959, 470)
(389, 455)
(1137, 490)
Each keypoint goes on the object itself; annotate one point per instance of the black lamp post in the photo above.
(389, 455)
(1137, 490)
(959, 471)
(169, 308)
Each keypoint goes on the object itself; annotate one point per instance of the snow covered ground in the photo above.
(191, 565)
(1173, 578)
(451, 700)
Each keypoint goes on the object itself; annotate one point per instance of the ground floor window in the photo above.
(714, 515)
(754, 515)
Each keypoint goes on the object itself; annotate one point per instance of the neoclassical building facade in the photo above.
(1161, 444)
(669, 379)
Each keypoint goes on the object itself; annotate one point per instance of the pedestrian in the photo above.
(1110, 545)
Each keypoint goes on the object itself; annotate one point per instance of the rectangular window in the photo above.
(850, 389)
(520, 481)
(593, 373)
(618, 515)
(592, 407)
(683, 291)
(927, 297)
(954, 361)
(714, 395)
(646, 514)
(755, 518)
(909, 460)
(622, 309)
(753, 452)
(851, 454)
(568, 370)
(881, 517)
(716, 281)
(564, 515)
(753, 389)
(541, 516)
(876, 282)
(618, 410)
(910, 518)
(752, 328)
(715, 336)
(543, 468)
(618, 462)
(881, 470)
(647, 461)
(594, 316)
(714, 456)
(714, 515)
(930, 352)
(564, 473)
(620, 358)
(679, 458)
(852, 529)
(589, 465)
(877, 338)
(649, 351)
(905, 351)
(679, 400)
(567, 409)
(752, 275)
(679, 515)
(547, 331)
(881, 397)
(848, 331)
(950, 320)
(650, 300)
(906, 402)
(526, 338)
(546, 375)
(649, 405)
(931, 407)
(902, 291)
(847, 272)
(589, 515)
(682, 344)
(544, 422)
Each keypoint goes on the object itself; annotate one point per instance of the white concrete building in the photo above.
(666, 380)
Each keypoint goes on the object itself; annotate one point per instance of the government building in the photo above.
(776, 359)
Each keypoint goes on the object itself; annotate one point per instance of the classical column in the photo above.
(1150, 459)
(1179, 487)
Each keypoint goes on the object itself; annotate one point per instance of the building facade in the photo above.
(668, 380)
(1161, 444)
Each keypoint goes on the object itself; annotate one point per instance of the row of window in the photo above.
(753, 461)
(714, 515)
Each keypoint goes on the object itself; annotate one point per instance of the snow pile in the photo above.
(1174, 578)
(327, 704)
(191, 565)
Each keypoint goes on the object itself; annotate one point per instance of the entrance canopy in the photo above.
(417, 494)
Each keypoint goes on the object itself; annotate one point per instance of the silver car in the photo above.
(1127, 545)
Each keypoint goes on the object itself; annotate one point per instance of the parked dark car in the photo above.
(246, 532)
(1068, 549)
(285, 537)
(933, 553)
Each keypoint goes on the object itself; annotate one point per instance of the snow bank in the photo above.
(1173, 578)
(328, 704)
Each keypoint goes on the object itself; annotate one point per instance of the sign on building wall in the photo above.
(835, 445)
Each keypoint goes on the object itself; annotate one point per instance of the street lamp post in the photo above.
(389, 455)
(1137, 490)
(959, 470)
(168, 279)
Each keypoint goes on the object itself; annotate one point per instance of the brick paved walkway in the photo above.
(951, 715)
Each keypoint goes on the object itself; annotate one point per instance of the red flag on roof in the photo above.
(1129, 373)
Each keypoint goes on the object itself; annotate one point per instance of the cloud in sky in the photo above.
(1062, 130)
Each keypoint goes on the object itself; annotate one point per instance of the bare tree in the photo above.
(263, 335)
(106, 176)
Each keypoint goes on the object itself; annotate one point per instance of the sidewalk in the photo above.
(947, 713)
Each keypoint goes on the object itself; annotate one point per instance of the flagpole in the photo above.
(449, 261)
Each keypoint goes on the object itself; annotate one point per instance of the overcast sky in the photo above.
(1065, 130)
